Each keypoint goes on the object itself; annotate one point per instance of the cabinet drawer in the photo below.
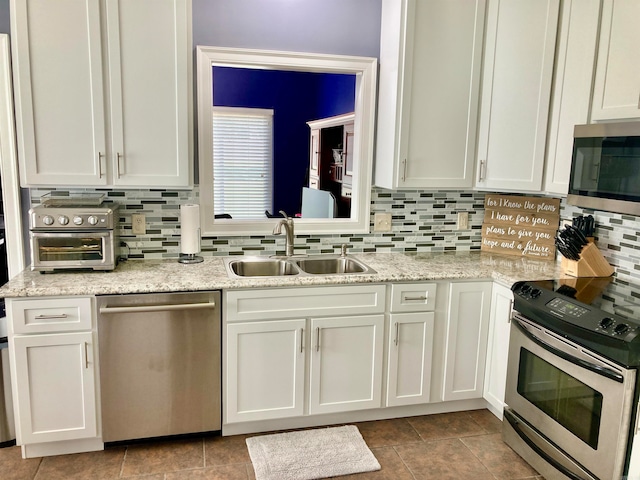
(45, 315)
(244, 305)
(413, 297)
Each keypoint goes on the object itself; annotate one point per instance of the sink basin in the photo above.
(260, 267)
(277, 267)
(330, 265)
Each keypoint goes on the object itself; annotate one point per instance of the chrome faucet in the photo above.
(287, 223)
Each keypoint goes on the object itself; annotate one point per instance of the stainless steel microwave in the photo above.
(605, 167)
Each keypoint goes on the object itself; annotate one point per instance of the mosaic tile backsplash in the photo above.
(422, 221)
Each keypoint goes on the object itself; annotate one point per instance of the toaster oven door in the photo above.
(67, 250)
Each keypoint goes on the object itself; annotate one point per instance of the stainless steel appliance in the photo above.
(572, 377)
(73, 236)
(160, 370)
(605, 167)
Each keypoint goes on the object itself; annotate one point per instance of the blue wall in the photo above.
(295, 98)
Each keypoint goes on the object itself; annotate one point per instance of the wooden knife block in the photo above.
(591, 263)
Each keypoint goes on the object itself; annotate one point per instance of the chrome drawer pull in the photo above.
(51, 316)
(157, 308)
(416, 299)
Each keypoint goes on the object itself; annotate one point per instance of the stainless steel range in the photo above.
(572, 378)
(73, 234)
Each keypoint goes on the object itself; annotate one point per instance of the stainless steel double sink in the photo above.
(306, 265)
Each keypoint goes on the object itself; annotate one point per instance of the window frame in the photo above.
(365, 70)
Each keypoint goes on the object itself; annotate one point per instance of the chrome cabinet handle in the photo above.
(510, 310)
(421, 298)
(51, 316)
(100, 158)
(118, 158)
(157, 308)
(317, 339)
(86, 355)
(301, 339)
(396, 340)
(404, 170)
(482, 172)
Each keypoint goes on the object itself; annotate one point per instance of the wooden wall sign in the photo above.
(524, 226)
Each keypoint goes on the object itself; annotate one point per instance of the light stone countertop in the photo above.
(147, 276)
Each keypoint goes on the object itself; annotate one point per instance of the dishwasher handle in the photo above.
(158, 308)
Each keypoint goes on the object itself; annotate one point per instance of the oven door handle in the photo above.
(605, 372)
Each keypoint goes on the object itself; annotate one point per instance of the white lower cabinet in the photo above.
(277, 339)
(495, 375)
(346, 363)
(410, 352)
(52, 343)
(466, 340)
(410, 343)
(265, 370)
(55, 387)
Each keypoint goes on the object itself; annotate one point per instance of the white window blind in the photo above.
(242, 162)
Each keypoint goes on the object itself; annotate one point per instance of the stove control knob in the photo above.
(48, 220)
(606, 322)
(621, 328)
(78, 220)
(93, 220)
(535, 293)
(63, 220)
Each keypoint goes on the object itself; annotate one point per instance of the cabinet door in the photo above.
(430, 67)
(348, 143)
(264, 373)
(410, 353)
(59, 96)
(466, 340)
(616, 93)
(498, 348)
(55, 387)
(314, 159)
(149, 59)
(575, 60)
(346, 363)
(516, 88)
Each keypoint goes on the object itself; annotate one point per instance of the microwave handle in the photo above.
(605, 372)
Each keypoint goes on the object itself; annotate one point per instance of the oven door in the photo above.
(64, 250)
(574, 399)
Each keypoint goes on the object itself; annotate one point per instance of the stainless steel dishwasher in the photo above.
(160, 368)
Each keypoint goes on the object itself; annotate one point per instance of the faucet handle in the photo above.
(343, 250)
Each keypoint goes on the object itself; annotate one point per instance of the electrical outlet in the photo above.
(463, 220)
(382, 222)
(138, 224)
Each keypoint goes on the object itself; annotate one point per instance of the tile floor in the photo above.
(455, 446)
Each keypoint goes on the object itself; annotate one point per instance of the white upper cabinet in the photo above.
(103, 92)
(520, 42)
(430, 65)
(573, 79)
(616, 93)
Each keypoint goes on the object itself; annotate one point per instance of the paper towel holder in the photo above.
(190, 258)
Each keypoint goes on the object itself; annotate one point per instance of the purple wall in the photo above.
(296, 98)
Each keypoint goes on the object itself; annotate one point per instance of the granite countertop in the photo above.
(147, 276)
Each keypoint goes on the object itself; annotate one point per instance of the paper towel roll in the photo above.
(190, 228)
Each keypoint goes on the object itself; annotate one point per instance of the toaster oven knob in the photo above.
(77, 220)
(63, 220)
(47, 220)
(93, 220)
